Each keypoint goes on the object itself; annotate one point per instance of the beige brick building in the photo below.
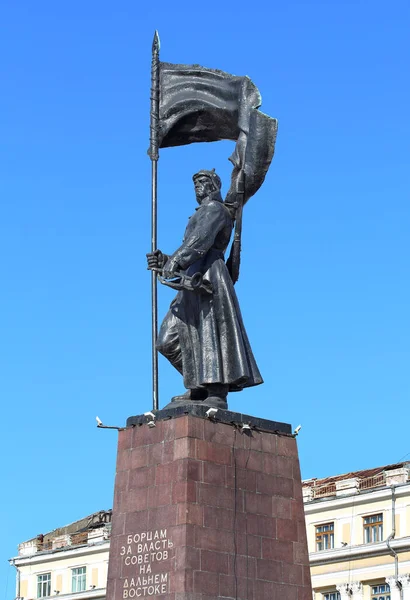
(358, 528)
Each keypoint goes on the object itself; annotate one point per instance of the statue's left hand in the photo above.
(170, 267)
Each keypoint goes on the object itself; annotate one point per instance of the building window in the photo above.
(381, 592)
(373, 528)
(78, 576)
(325, 538)
(43, 585)
(331, 596)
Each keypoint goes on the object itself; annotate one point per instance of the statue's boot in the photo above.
(217, 394)
(194, 395)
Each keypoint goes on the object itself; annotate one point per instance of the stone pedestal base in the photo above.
(204, 509)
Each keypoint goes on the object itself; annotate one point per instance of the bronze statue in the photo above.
(203, 335)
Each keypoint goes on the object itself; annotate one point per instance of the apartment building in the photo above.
(70, 562)
(358, 528)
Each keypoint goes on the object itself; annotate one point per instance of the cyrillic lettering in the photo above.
(150, 546)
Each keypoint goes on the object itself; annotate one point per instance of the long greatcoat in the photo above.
(210, 333)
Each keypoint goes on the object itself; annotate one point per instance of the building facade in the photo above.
(70, 562)
(358, 529)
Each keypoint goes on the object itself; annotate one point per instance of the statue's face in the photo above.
(203, 187)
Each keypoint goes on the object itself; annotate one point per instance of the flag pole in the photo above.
(154, 156)
(234, 261)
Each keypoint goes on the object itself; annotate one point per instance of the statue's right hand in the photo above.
(155, 260)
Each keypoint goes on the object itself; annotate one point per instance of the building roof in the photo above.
(362, 474)
(74, 534)
(356, 481)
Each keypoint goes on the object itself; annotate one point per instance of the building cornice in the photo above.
(92, 594)
(361, 551)
(60, 553)
(360, 573)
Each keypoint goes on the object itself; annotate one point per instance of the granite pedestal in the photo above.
(205, 509)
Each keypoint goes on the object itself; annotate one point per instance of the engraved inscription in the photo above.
(142, 550)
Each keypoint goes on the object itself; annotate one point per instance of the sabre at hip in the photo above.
(176, 279)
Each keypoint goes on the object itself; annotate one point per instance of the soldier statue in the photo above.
(203, 335)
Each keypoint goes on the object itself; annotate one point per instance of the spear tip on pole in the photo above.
(155, 42)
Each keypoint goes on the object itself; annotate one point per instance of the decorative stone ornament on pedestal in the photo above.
(206, 508)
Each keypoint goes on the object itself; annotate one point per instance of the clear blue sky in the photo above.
(325, 282)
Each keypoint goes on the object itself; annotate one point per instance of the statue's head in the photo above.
(207, 185)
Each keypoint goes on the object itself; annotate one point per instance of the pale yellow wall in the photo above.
(369, 571)
(23, 588)
(346, 532)
(347, 514)
(359, 563)
(96, 563)
(348, 519)
(407, 516)
(104, 572)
